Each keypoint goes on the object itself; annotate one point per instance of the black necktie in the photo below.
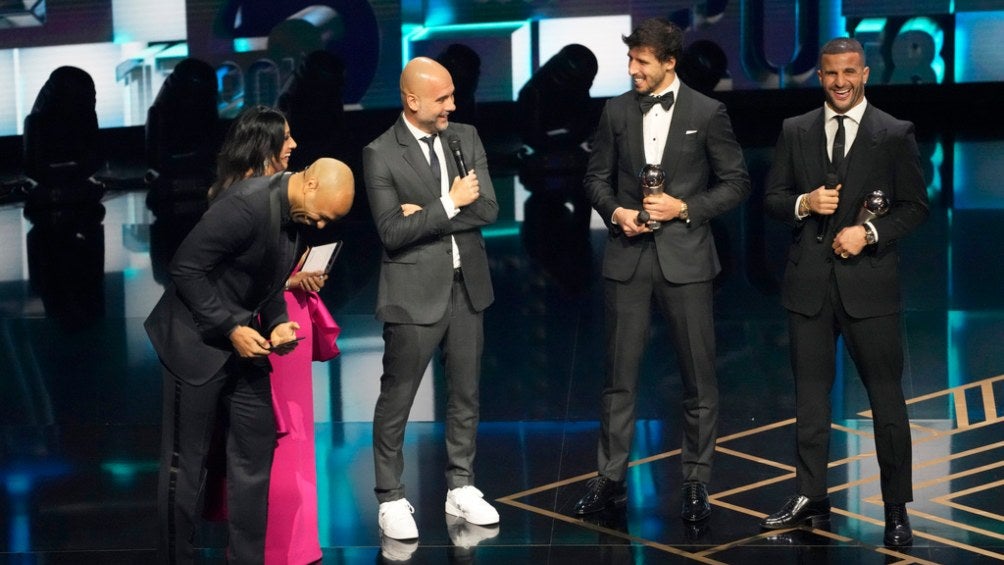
(433, 159)
(837, 155)
(646, 102)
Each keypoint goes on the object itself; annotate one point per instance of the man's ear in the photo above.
(412, 101)
(310, 183)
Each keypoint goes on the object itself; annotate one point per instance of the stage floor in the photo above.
(81, 398)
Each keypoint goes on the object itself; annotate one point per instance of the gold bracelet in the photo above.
(804, 209)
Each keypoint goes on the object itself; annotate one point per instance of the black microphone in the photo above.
(458, 155)
(831, 182)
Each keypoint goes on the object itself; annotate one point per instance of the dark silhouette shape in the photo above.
(464, 65)
(61, 144)
(556, 116)
(312, 102)
(182, 129)
(66, 263)
(703, 65)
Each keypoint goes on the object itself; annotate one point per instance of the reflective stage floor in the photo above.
(81, 395)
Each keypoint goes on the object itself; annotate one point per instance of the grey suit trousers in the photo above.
(408, 349)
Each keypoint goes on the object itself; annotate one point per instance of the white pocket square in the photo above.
(691, 131)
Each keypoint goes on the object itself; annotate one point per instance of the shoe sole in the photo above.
(696, 519)
(813, 521)
(454, 511)
(384, 534)
(905, 542)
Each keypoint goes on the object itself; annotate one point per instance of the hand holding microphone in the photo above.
(827, 200)
(458, 155)
(465, 188)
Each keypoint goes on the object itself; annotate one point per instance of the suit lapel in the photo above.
(858, 165)
(451, 165)
(414, 157)
(677, 131)
(812, 140)
(635, 136)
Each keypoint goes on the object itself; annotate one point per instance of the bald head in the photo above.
(323, 193)
(427, 94)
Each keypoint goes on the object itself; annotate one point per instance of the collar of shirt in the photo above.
(419, 134)
(656, 122)
(851, 124)
(673, 87)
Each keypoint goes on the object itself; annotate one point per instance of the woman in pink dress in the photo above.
(259, 143)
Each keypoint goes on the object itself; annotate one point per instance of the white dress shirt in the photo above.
(444, 180)
(655, 125)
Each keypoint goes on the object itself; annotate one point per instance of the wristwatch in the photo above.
(684, 212)
(869, 234)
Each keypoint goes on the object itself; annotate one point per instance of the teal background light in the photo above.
(977, 46)
(411, 33)
(931, 28)
(243, 45)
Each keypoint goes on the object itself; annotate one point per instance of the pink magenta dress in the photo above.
(292, 531)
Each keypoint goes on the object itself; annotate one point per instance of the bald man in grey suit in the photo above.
(434, 285)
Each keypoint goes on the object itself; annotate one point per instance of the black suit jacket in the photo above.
(230, 267)
(417, 270)
(884, 156)
(704, 167)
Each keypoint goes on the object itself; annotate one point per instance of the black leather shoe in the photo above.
(695, 502)
(796, 511)
(602, 493)
(897, 525)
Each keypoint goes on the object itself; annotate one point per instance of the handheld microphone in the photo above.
(831, 182)
(458, 155)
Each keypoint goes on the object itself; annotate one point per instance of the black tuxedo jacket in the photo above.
(416, 273)
(704, 167)
(884, 157)
(230, 267)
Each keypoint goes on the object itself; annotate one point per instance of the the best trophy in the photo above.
(875, 204)
(652, 178)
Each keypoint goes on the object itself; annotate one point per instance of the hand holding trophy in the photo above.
(651, 179)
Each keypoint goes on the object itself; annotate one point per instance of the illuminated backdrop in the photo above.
(129, 46)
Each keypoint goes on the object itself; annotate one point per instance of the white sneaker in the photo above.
(468, 503)
(396, 521)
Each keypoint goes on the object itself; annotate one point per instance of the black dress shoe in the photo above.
(695, 502)
(796, 511)
(897, 525)
(602, 493)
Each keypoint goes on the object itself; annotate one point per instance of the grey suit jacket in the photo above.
(704, 167)
(416, 273)
(229, 268)
(884, 156)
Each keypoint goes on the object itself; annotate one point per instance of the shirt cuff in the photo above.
(451, 210)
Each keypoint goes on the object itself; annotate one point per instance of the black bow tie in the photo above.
(646, 102)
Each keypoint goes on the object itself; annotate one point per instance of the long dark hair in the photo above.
(253, 141)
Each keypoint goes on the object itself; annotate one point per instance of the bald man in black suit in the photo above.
(209, 331)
